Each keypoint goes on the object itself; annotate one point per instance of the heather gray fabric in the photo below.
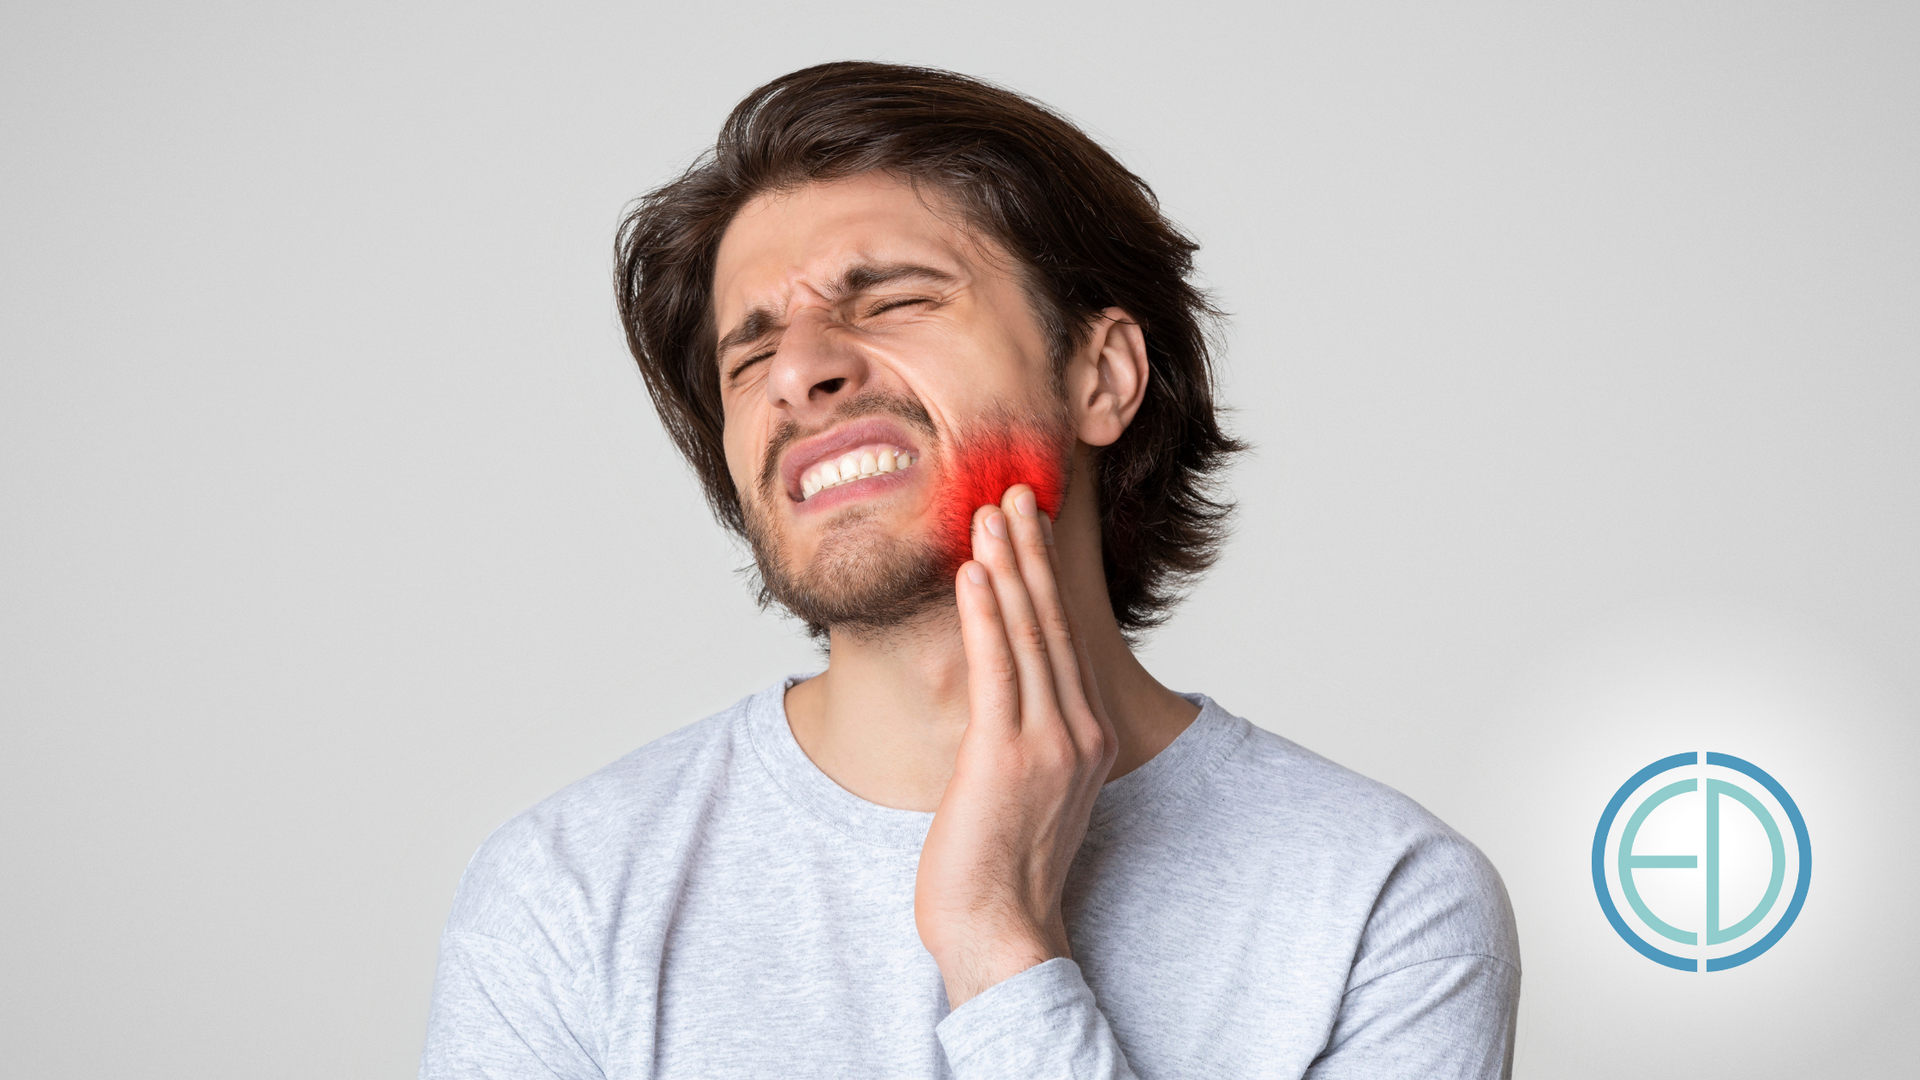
(712, 905)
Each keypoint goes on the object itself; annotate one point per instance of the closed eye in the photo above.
(888, 305)
(879, 309)
(734, 372)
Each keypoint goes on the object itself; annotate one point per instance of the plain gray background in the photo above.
(1578, 343)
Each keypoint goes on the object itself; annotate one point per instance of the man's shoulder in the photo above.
(1283, 785)
(656, 775)
(617, 821)
(1334, 828)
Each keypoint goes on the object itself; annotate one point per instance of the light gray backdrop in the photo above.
(1578, 342)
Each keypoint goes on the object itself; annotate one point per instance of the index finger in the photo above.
(1033, 548)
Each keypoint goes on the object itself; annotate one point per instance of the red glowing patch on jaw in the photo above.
(983, 469)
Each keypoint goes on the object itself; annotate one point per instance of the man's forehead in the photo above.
(820, 235)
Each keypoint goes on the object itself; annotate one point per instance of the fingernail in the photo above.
(997, 524)
(1046, 528)
(1023, 502)
(976, 573)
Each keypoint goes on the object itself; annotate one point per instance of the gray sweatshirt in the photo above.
(713, 905)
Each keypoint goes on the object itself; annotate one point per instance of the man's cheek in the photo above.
(981, 472)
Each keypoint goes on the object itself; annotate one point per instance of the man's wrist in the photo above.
(976, 970)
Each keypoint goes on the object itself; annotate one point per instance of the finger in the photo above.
(1089, 721)
(992, 545)
(993, 684)
(1096, 705)
(1089, 686)
(1039, 572)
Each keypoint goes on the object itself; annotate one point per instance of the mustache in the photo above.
(869, 403)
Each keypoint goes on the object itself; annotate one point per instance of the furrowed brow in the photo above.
(863, 277)
(758, 323)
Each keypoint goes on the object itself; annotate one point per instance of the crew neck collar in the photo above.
(1166, 777)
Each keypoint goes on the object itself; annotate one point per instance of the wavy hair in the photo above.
(1086, 233)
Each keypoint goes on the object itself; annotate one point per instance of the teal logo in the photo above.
(1701, 861)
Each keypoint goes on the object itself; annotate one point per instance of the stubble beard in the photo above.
(861, 579)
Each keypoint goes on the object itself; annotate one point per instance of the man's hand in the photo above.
(1038, 745)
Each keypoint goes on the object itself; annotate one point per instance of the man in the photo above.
(933, 352)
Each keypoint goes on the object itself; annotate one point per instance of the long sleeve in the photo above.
(499, 1015)
(1444, 1019)
(1435, 986)
(1042, 1024)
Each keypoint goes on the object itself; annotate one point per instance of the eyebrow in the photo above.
(859, 278)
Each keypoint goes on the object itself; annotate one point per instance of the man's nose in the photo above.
(815, 368)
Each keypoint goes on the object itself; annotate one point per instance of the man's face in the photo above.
(881, 369)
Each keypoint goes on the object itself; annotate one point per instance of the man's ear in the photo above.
(1107, 378)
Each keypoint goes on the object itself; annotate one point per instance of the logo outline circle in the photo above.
(1802, 880)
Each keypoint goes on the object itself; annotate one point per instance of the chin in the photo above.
(860, 577)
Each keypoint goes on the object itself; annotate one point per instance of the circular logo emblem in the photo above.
(1700, 862)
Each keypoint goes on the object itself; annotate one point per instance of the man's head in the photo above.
(886, 266)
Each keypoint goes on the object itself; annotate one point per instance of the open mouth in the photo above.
(872, 449)
(874, 459)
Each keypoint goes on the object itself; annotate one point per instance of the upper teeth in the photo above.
(866, 461)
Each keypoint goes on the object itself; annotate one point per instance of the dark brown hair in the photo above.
(1087, 234)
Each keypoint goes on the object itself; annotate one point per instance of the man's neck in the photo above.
(885, 719)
